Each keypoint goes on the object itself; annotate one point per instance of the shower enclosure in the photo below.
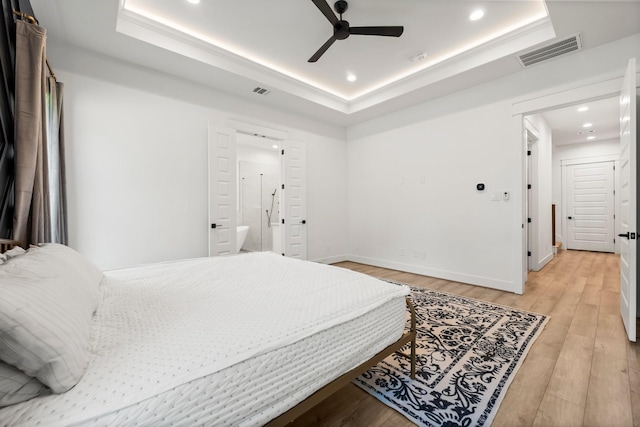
(259, 203)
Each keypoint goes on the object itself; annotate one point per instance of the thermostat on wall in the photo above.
(480, 186)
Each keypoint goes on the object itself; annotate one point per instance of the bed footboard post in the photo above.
(413, 338)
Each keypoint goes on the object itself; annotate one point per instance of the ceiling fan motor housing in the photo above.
(341, 30)
(341, 6)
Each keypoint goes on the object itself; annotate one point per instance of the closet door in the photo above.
(590, 221)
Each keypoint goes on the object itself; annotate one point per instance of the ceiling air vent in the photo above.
(261, 91)
(562, 47)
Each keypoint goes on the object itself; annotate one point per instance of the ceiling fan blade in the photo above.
(326, 11)
(377, 31)
(323, 49)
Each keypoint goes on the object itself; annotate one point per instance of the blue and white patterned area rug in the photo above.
(468, 353)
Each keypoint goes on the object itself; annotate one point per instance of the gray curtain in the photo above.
(40, 196)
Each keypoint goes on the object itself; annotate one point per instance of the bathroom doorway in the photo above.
(287, 218)
(258, 189)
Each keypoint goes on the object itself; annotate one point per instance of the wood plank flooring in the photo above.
(582, 371)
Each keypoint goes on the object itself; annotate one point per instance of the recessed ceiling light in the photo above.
(591, 137)
(194, 1)
(274, 146)
(351, 77)
(476, 14)
(583, 109)
(587, 125)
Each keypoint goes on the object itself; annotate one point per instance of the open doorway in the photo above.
(571, 178)
(537, 106)
(624, 90)
(274, 201)
(258, 193)
(585, 157)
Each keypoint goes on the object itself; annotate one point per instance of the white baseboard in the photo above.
(488, 282)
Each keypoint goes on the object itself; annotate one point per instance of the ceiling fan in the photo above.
(342, 30)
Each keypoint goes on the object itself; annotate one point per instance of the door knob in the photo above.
(214, 225)
(304, 221)
(624, 235)
(569, 217)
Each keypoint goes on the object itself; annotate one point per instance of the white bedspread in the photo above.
(162, 325)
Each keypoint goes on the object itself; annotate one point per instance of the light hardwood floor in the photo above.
(582, 371)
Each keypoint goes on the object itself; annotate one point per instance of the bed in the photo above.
(241, 340)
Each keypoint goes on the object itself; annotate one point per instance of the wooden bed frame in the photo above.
(343, 380)
(6, 244)
(338, 383)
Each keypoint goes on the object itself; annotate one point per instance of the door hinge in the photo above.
(528, 253)
(283, 152)
(528, 219)
(528, 186)
(632, 236)
(283, 220)
(614, 241)
(283, 186)
(528, 152)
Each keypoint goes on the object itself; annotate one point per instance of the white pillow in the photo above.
(49, 295)
(14, 252)
(16, 386)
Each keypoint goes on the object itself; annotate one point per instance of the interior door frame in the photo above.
(531, 201)
(281, 138)
(564, 96)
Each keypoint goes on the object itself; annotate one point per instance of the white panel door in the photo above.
(628, 197)
(532, 202)
(222, 191)
(295, 199)
(590, 207)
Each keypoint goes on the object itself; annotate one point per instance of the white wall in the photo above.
(586, 151)
(137, 165)
(543, 252)
(414, 204)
